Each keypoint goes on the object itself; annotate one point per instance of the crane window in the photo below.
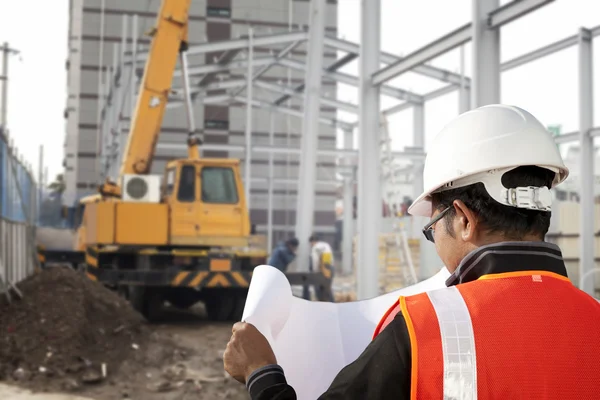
(187, 184)
(219, 186)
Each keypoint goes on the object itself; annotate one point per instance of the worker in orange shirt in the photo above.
(509, 324)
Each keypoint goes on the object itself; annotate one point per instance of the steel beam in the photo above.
(216, 85)
(353, 81)
(281, 54)
(291, 92)
(493, 18)
(397, 108)
(235, 64)
(224, 45)
(486, 55)
(424, 54)
(369, 176)
(388, 58)
(567, 137)
(222, 98)
(408, 155)
(539, 53)
(290, 111)
(586, 173)
(332, 68)
(521, 60)
(512, 11)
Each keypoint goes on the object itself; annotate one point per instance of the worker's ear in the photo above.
(465, 223)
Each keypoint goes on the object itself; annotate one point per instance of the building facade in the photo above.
(96, 28)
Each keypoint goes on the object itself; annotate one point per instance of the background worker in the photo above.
(509, 324)
(283, 254)
(321, 259)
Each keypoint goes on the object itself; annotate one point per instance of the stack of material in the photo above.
(394, 271)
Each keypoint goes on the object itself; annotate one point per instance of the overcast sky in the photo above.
(547, 88)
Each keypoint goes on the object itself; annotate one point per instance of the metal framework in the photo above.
(482, 88)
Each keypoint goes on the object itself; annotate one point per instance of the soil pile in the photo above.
(64, 329)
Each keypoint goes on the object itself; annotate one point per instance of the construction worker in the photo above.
(284, 254)
(510, 324)
(321, 258)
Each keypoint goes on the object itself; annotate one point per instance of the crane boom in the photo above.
(169, 39)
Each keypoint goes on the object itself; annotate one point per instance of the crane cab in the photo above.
(206, 200)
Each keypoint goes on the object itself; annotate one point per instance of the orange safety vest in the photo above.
(516, 335)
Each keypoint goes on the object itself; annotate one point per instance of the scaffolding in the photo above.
(483, 87)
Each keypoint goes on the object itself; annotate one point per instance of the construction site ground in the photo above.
(72, 336)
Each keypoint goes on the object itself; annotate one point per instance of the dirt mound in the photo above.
(64, 329)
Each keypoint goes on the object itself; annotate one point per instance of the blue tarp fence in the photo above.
(17, 187)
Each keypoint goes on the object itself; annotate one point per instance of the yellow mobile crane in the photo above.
(185, 239)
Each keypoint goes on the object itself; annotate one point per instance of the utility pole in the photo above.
(6, 51)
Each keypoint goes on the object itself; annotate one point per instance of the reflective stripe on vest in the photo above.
(458, 344)
(541, 358)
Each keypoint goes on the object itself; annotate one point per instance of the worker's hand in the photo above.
(247, 351)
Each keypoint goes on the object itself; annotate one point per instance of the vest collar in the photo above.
(508, 257)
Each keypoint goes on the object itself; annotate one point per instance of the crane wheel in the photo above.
(220, 304)
(182, 298)
(147, 301)
(240, 302)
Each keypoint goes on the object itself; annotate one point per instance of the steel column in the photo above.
(249, 85)
(348, 217)
(485, 84)
(310, 129)
(586, 195)
(464, 96)
(101, 120)
(133, 77)
(271, 179)
(418, 143)
(369, 177)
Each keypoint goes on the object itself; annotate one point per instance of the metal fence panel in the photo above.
(18, 191)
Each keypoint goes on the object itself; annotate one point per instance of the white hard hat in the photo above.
(483, 144)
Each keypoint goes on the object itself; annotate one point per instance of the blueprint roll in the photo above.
(313, 341)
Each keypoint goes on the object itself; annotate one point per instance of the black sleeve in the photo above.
(382, 371)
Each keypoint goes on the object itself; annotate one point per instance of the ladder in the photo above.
(393, 198)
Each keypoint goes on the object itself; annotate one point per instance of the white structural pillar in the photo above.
(586, 194)
(428, 261)
(305, 202)
(464, 94)
(271, 181)
(248, 156)
(369, 176)
(418, 142)
(348, 218)
(485, 84)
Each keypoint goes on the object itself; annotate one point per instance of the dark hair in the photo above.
(292, 242)
(315, 237)
(513, 222)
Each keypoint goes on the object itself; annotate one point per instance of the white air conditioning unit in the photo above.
(141, 188)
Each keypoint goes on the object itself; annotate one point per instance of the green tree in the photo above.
(58, 185)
